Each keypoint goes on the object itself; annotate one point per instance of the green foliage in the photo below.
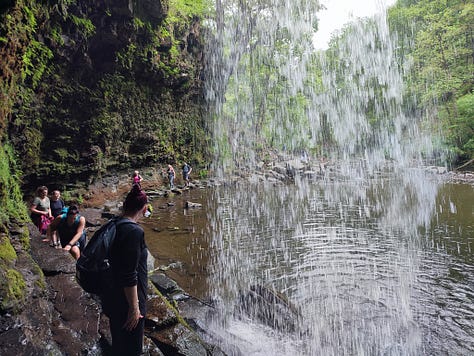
(127, 57)
(138, 23)
(462, 129)
(437, 37)
(179, 9)
(35, 61)
(30, 17)
(36, 55)
(137, 121)
(23, 55)
(85, 25)
(11, 199)
(261, 99)
(203, 174)
(56, 35)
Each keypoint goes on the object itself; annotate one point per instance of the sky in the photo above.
(339, 12)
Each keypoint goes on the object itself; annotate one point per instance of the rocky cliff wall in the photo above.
(88, 87)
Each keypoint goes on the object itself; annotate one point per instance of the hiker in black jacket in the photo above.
(125, 304)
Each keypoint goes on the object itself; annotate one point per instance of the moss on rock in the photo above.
(7, 252)
(12, 282)
(12, 290)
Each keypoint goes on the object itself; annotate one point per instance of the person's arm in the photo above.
(77, 236)
(127, 252)
(134, 315)
(34, 209)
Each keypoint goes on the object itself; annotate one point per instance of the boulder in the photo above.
(189, 204)
(269, 307)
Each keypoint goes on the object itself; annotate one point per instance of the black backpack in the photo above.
(93, 270)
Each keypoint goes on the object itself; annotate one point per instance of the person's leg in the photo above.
(78, 247)
(55, 239)
(75, 252)
(126, 343)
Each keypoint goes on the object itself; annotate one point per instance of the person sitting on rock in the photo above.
(70, 228)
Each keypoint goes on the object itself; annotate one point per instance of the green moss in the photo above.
(25, 239)
(40, 282)
(12, 290)
(12, 283)
(170, 306)
(7, 252)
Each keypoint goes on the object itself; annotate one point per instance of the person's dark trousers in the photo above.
(126, 343)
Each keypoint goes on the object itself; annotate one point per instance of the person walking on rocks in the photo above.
(125, 303)
(186, 172)
(70, 228)
(136, 178)
(57, 204)
(57, 208)
(171, 175)
(41, 210)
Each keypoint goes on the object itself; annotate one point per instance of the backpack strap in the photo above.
(117, 221)
(122, 221)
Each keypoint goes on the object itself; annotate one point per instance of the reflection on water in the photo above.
(176, 237)
(365, 283)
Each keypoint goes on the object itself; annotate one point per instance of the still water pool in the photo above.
(382, 267)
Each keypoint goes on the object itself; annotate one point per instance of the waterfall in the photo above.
(341, 247)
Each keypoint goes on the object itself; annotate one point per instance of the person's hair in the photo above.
(40, 189)
(135, 201)
(135, 173)
(73, 209)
